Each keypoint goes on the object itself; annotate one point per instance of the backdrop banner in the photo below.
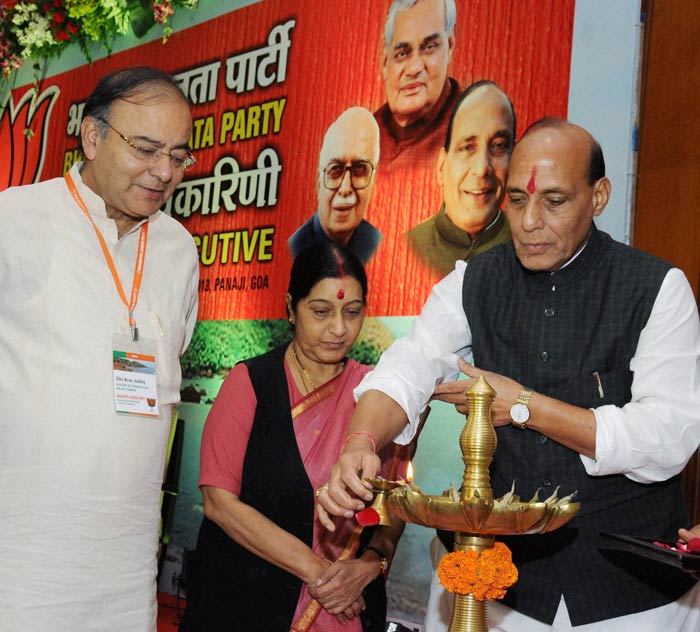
(266, 81)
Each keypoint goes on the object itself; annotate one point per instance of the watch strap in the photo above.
(383, 563)
(521, 401)
(524, 396)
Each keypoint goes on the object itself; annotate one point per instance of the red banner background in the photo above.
(333, 63)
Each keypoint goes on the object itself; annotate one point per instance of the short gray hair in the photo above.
(402, 5)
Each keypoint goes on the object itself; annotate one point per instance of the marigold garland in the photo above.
(485, 574)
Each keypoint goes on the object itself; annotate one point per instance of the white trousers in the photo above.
(680, 616)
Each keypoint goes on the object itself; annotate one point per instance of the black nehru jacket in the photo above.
(552, 332)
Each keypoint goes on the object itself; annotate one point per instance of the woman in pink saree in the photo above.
(263, 561)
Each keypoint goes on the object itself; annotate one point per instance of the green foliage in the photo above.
(373, 340)
(218, 344)
(45, 28)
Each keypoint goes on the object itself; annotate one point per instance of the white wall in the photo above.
(603, 95)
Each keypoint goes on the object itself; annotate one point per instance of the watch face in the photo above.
(519, 413)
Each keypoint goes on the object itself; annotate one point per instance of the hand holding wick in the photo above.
(357, 459)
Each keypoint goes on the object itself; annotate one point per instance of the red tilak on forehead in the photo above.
(531, 182)
(341, 274)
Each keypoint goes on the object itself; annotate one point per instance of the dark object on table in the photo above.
(689, 562)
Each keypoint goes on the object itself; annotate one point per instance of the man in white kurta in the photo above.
(80, 484)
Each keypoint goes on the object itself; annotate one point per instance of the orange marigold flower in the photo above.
(484, 575)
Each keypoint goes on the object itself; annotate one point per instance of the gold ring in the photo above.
(317, 493)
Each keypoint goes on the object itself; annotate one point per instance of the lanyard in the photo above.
(140, 258)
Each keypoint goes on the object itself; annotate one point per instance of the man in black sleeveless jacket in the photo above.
(593, 349)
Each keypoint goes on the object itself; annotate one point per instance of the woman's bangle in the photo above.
(367, 434)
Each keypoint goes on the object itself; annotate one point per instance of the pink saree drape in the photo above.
(320, 421)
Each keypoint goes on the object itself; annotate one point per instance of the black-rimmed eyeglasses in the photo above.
(360, 174)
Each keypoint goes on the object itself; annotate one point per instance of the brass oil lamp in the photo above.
(473, 513)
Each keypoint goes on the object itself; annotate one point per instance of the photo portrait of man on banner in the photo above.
(387, 130)
(346, 171)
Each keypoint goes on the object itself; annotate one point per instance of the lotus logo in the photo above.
(23, 133)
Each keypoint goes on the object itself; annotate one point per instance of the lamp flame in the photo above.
(409, 472)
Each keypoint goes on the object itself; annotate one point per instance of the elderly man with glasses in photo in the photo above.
(99, 300)
(346, 174)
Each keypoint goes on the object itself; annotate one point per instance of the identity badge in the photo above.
(134, 380)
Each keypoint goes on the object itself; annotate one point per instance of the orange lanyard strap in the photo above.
(140, 257)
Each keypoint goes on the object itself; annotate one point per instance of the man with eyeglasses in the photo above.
(99, 300)
(346, 173)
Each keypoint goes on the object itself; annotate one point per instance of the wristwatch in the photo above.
(382, 558)
(519, 412)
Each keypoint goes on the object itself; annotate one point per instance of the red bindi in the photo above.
(341, 294)
(531, 182)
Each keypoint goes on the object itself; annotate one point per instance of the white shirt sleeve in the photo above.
(409, 370)
(193, 303)
(652, 437)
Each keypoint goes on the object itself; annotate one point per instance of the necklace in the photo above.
(304, 372)
(311, 385)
